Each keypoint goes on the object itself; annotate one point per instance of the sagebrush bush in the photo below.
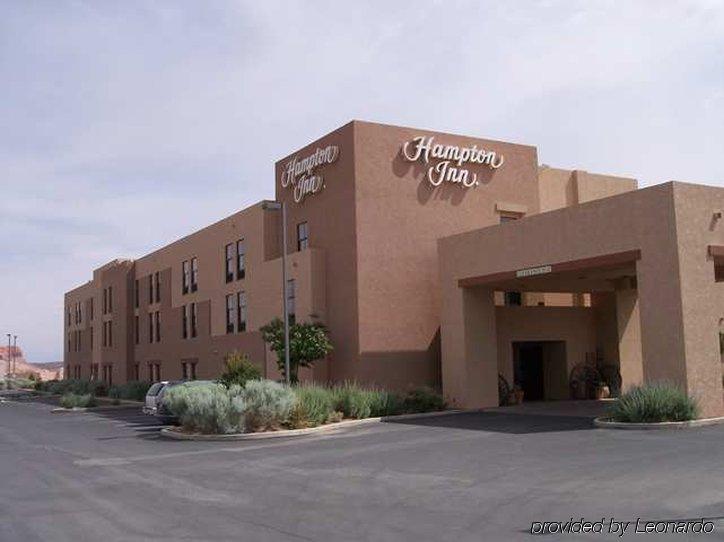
(238, 369)
(74, 400)
(268, 404)
(314, 405)
(658, 402)
(207, 408)
(16, 383)
(133, 390)
(423, 400)
(356, 401)
(77, 386)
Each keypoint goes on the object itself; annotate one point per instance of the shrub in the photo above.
(423, 400)
(314, 405)
(355, 401)
(208, 407)
(74, 400)
(268, 404)
(133, 390)
(238, 369)
(77, 386)
(659, 402)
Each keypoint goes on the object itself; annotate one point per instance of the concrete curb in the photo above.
(74, 410)
(175, 434)
(606, 423)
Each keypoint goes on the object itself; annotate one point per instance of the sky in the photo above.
(126, 125)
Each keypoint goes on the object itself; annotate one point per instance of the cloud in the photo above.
(113, 112)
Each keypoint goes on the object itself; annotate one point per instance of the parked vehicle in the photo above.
(164, 415)
(152, 397)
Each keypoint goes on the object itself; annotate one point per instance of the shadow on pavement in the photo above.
(499, 422)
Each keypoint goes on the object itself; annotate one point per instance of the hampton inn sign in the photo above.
(449, 160)
(301, 175)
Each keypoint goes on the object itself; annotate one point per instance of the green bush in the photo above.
(355, 401)
(314, 405)
(133, 390)
(77, 386)
(74, 400)
(659, 402)
(238, 369)
(268, 404)
(207, 408)
(423, 400)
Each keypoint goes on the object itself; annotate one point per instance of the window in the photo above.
(188, 369)
(157, 286)
(135, 294)
(185, 277)
(91, 309)
(110, 299)
(105, 302)
(158, 325)
(136, 329)
(193, 320)
(150, 327)
(91, 337)
(230, 313)
(513, 298)
(291, 300)
(136, 372)
(229, 262)
(241, 316)
(302, 235)
(240, 259)
(150, 289)
(67, 319)
(154, 371)
(104, 336)
(184, 321)
(110, 334)
(194, 274)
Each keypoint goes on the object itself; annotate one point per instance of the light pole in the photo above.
(281, 206)
(15, 352)
(7, 372)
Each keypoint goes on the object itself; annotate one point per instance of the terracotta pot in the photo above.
(518, 394)
(603, 392)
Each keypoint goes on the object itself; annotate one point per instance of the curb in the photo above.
(74, 410)
(173, 433)
(606, 423)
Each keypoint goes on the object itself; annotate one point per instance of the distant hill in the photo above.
(45, 371)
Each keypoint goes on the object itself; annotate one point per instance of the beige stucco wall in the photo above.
(669, 224)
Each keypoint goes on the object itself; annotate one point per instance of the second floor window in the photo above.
(230, 313)
(150, 327)
(193, 320)
(229, 255)
(185, 321)
(302, 235)
(150, 289)
(136, 330)
(185, 277)
(157, 317)
(241, 315)
(110, 299)
(135, 294)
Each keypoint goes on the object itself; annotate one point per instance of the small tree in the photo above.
(238, 369)
(308, 342)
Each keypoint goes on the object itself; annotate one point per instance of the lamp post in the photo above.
(15, 352)
(7, 372)
(281, 206)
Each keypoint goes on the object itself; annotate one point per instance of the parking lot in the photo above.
(108, 476)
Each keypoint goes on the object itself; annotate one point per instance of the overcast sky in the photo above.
(124, 125)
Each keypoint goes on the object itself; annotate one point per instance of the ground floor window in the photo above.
(188, 370)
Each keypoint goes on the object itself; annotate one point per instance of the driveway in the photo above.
(475, 476)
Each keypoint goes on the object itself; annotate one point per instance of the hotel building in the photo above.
(433, 259)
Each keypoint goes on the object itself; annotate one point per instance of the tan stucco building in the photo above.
(434, 259)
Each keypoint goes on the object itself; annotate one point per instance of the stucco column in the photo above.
(469, 347)
(481, 348)
(628, 322)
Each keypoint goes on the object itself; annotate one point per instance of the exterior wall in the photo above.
(574, 325)
(399, 217)
(670, 224)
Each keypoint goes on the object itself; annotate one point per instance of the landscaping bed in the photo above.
(265, 407)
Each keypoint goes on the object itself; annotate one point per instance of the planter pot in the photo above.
(602, 392)
(518, 395)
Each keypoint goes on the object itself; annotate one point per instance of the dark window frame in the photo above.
(240, 259)
(229, 262)
(230, 313)
(302, 235)
(241, 311)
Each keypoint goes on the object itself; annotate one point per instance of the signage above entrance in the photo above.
(450, 160)
(533, 271)
(301, 175)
